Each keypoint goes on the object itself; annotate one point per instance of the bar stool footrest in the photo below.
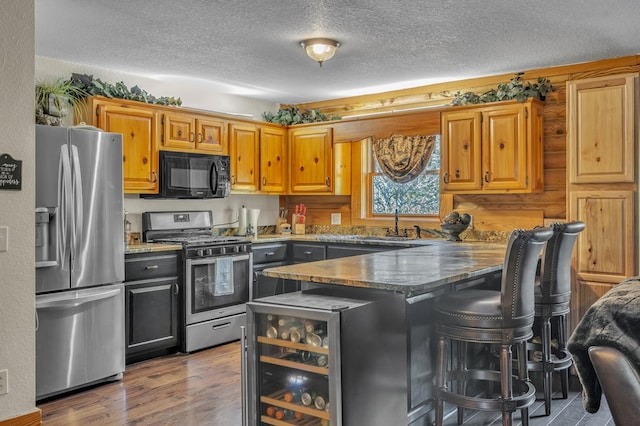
(524, 392)
(560, 360)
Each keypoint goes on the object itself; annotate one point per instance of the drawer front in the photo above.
(144, 267)
(267, 253)
(308, 252)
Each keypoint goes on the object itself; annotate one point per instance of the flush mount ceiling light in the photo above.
(320, 49)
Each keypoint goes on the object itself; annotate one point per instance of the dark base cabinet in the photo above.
(269, 256)
(152, 304)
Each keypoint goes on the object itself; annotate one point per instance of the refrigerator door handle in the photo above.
(76, 301)
(78, 204)
(64, 191)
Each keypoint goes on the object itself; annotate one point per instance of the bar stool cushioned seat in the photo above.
(552, 298)
(503, 318)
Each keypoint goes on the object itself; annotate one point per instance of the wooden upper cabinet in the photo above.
(273, 164)
(311, 159)
(461, 161)
(211, 135)
(139, 143)
(243, 139)
(178, 131)
(192, 132)
(493, 149)
(600, 125)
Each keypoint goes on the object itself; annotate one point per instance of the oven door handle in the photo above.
(213, 259)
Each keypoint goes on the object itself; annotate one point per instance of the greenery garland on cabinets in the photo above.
(294, 115)
(95, 86)
(514, 89)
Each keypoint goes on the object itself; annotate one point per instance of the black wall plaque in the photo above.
(10, 172)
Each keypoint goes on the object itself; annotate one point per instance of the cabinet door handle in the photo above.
(201, 137)
(233, 180)
(155, 176)
(307, 253)
(327, 181)
(445, 178)
(486, 176)
(264, 180)
(193, 137)
(151, 267)
(176, 289)
(268, 254)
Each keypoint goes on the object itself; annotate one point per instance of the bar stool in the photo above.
(502, 318)
(552, 297)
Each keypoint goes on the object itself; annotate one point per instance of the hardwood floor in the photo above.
(203, 388)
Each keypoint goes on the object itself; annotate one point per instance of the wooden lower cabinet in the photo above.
(585, 294)
(605, 252)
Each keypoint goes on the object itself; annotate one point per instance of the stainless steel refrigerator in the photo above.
(79, 258)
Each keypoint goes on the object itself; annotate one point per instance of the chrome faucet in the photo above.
(396, 232)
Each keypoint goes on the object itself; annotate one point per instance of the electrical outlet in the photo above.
(4, 238)
(336, 218)
(4, 386)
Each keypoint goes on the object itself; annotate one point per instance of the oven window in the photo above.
(194, 175)
(224, 282)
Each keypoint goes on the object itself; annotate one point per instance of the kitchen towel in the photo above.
(224, 277)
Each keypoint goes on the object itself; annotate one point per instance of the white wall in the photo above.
(194, 94)
(17, 272)
(225, 210)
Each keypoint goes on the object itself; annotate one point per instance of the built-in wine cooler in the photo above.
(309, 361)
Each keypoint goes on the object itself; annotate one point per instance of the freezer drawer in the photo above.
(79, 338)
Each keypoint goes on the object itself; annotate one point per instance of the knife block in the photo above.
(297, 228)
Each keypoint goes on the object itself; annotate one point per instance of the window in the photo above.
(420, 196)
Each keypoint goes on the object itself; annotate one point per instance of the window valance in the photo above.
(403, 158)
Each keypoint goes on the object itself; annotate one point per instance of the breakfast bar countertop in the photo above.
(411, 271)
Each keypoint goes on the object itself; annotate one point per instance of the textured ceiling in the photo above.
(252, 48)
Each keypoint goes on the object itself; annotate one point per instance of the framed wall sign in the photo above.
(10, 173)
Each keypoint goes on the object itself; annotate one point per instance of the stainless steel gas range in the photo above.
(217, 275)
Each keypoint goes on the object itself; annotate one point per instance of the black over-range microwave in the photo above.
(191, 175)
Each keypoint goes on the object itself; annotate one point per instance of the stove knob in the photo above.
(236, 249)
(209, 252)
(200, 252)
(223, 250)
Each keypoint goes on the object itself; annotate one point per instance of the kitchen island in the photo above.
(401, 285)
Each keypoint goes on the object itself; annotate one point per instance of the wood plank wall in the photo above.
(552, 201)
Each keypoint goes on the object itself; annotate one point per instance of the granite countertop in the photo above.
(343, 239)
(411, 271)
(150, 247)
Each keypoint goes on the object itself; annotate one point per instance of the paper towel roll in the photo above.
(253, 221)
(242, 221)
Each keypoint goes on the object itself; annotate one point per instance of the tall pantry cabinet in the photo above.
(602, 184)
